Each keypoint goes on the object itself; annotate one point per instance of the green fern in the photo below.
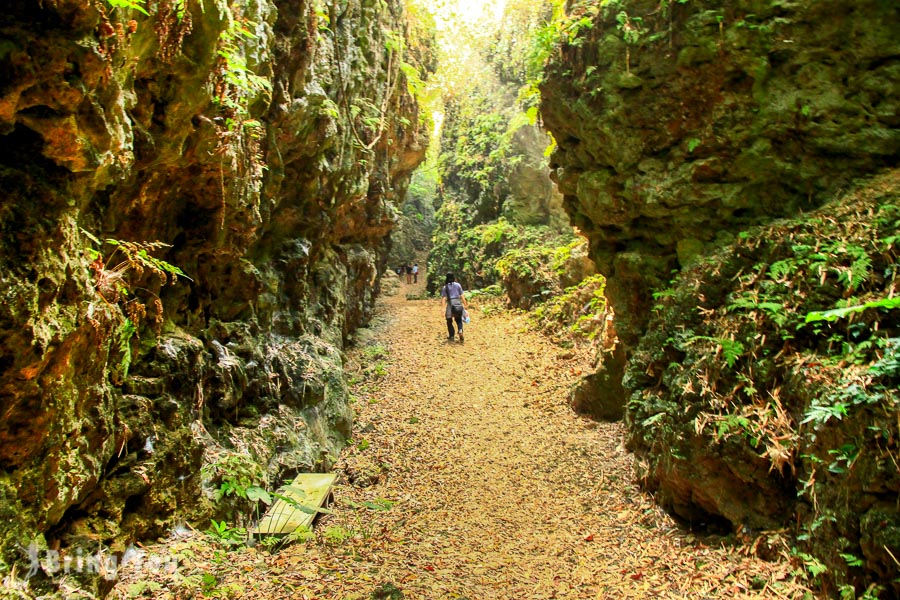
(822, 413)
(858, 273)
(731, 349)
(782, 268)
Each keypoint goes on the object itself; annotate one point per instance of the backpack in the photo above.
(456, 305)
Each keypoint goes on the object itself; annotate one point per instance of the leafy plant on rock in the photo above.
(631, 28)
(118, 276)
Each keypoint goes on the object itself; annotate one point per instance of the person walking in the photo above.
(416, 273)
(454, 302)
(408, 269)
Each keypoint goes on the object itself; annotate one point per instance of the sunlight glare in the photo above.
(451, 13)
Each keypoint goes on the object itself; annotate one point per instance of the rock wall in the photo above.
(686, 132)
(266, 144)
(679, 124)
(749, 410)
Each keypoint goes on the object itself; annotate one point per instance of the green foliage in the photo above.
(136, 590)
(491, 291)
(323, 19)
(480, 149)
(336, 534)
(380, 369)
(235, 475)
(375, 352)
(242, 84)
(774, 310)
(378, 505)
(135, 258)
(848, 591)
(472, 252)
(130, 4)
(476, 149)
(822, 413)
(785, 343)
(849, 261)
(527, 263)
(729, 423)
(387, 591)
(663, 294)
(180, 9)
(413, 234)
(533, 274)
(226, 535)
(414, 84)
(782, 269)
(375, 358)
(127, 330)
(812, 565)
(839, 313)
(494, 234)
(520, 49)
(255, 493)
(822, 518)
(844, 457)
(580, 310)
(731, 349)
(561, 255)
(630, 27)
(749, 22)
(302, 534)
(837, 403)
(888, 366)
(118, 279)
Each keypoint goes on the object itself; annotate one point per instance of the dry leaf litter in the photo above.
(469, 477)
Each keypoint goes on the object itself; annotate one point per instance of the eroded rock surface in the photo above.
(681, 124)
(681, 127)
(267, 143)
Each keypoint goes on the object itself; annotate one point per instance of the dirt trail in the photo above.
(495, 488)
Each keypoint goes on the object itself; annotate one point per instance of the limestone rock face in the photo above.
(267, 144)
(680, 124)
(533, 198)
(681, 129)
(747, 409)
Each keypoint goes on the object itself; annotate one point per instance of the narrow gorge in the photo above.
(696, 202)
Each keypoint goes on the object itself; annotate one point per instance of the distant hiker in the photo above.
(408, 273)
(400, 270)
(454, 305)
(416, 273)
